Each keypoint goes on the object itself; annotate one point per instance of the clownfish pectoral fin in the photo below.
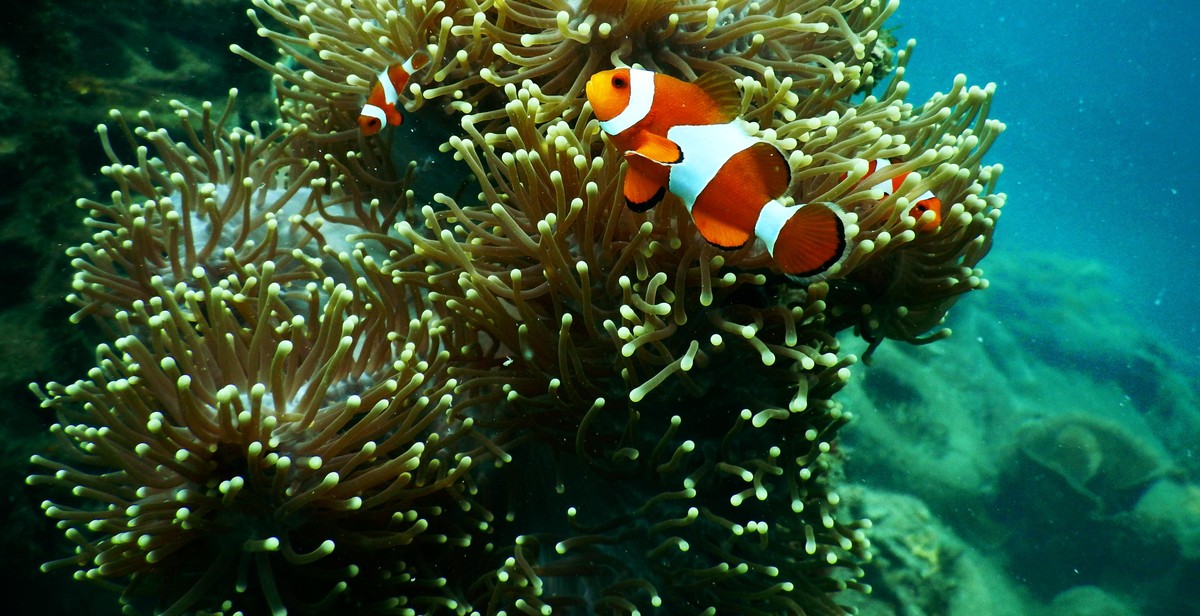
(805, 241)
(659, 149)
(394, 116)
(726, 96)
(718, 232)
(718, 224)
(645, 182)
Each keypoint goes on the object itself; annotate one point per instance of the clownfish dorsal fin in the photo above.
(645, 182)
(659, 149)
(723, 91)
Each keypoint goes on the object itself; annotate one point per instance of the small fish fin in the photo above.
(416, 61)
(811, 241)
(393, 115)
(718, 232)
(773, 167)
(726, 96)
(645, 182)
(659, 149)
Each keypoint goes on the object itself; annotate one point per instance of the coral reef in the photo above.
(922, 567)
(1100, 461)
(1048, 454)
(351, 372)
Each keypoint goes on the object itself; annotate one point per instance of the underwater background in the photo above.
(1053, 440)
(1099, 150)
(1040, 461)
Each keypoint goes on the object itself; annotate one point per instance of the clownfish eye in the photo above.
(619, 82)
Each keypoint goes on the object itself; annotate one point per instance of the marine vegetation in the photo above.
(437, 364)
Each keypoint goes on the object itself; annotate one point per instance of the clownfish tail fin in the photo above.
(416, 61)
(806, 241)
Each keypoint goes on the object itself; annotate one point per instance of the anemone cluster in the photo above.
(446, 370)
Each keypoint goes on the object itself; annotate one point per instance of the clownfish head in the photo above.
(919, 210)
(608, 92)
(373, 117)
(371, 120)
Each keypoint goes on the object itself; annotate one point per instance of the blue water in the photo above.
(1100, 156)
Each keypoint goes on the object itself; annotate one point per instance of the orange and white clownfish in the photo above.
(925, 202)
(383, 101)
(687, 138)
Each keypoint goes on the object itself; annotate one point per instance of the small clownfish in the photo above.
(383, 101)
(926, 202)
(686, 138)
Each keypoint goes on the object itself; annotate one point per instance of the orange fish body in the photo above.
(925, 202)
(383, 101)
(686, 138)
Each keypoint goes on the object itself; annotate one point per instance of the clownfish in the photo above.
(926, 202)
(687, 138)
(383, 101)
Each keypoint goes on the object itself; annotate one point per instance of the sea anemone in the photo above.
(315, 352)
(222, 199)
(332, 51)
(231, 442)
(596, 325)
